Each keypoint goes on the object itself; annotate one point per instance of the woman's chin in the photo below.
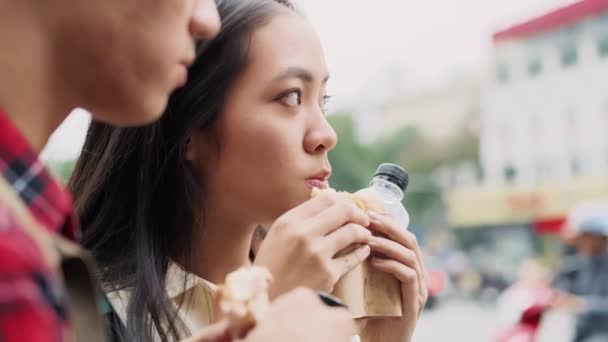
(281, 205)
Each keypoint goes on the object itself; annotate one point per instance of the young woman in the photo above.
(168, 210)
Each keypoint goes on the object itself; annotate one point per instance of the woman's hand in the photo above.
(296, 316)
(218, 332)
(396, 251)
(299, 316)
(302, 248)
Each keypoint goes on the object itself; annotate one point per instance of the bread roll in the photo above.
(365, 200)
(243, 299)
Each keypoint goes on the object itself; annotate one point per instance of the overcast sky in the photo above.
(428, 39)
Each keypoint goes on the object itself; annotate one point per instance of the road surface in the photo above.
(463, 321)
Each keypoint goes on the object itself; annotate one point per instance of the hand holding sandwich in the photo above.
(312, 244)
(298, 316)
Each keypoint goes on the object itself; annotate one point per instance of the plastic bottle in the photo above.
(389, 184)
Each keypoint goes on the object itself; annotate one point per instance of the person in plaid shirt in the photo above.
(28, 292)
(119, 59)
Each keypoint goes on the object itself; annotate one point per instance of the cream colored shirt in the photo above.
(197, 309)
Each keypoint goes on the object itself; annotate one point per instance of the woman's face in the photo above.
(592, 244)
(273, 134)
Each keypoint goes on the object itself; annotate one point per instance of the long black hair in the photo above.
(136, 194)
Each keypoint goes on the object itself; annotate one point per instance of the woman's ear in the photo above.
(190, 150)
(256, 241)
(200, 150)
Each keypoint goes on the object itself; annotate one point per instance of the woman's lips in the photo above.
(317, 183)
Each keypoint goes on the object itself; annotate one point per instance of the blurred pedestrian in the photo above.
(582, 281)
(524, 303)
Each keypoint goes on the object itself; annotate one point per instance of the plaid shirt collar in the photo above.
(47, 200)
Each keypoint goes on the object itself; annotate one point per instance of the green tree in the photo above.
(350, 170)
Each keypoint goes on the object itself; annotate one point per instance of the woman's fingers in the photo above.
(392, 250)
(324, 214)
(406, 275)
(343, 264)
(386, 225)
(341, 212)
(218, 332)
(345, 236)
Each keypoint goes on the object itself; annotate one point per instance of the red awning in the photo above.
(549, 226)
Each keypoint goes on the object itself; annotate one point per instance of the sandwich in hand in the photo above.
(243, 299)
(367, 201)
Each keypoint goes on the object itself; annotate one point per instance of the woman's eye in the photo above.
(292, 99)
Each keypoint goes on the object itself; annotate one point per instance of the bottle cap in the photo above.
(394, 174)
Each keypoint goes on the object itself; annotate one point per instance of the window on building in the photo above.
(571, 122)
(544, 171)
(569, 55)
(602, 46)
(535, 67)
(502, 73)
(575, 166)
(510, 173)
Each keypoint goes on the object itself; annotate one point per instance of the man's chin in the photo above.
(125, 117)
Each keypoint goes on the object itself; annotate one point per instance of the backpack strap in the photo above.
(72, 266)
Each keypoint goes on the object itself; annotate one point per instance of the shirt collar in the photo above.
(49, 203)
(179, 281)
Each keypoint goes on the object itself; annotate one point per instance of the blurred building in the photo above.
(545, 110)
(543, 135)
(370, 102)
(439, 112)
(393, 99)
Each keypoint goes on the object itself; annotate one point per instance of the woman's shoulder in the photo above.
(118, 300)
(115, 327)
(192, 297)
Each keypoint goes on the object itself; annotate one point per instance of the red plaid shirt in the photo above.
(32, 303)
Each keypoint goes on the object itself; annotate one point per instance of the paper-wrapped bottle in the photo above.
(367, 291)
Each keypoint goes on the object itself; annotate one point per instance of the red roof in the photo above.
(553, 20)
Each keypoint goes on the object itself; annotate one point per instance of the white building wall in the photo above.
(542, 125)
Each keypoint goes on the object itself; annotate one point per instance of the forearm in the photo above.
(595, 304)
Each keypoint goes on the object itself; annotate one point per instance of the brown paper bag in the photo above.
(369, 292)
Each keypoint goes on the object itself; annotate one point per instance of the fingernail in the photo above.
(365, 250)
(373, 215)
